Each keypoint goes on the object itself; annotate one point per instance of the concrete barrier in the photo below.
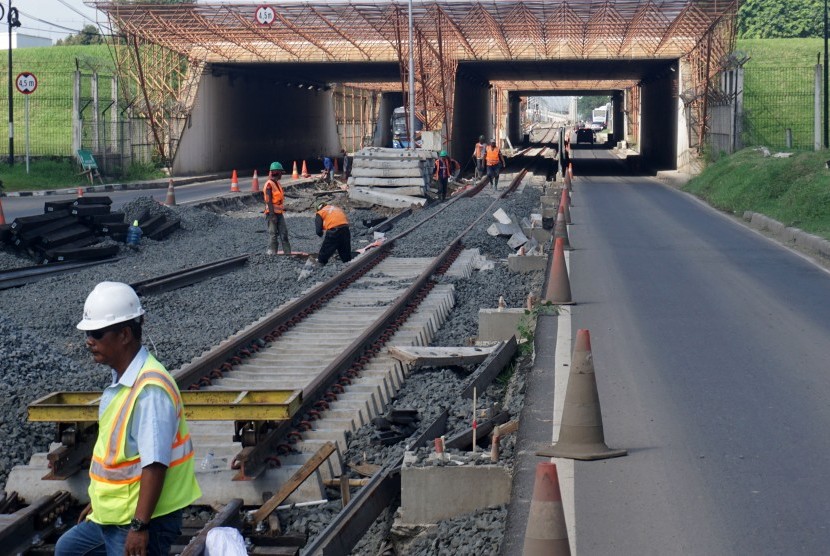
(786, 234)
(496, 326)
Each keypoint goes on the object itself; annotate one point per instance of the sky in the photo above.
(58, 18)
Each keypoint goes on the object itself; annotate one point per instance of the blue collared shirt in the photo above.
(153, 423)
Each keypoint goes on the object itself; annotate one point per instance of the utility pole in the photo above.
(13, 21)
(412, 81)
(826, 85)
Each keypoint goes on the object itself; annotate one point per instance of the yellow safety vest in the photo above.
(115, 480)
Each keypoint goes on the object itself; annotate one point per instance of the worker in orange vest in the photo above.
(444, 168)
(332, 224)
(274, 209)
(478, 154)
(495, 162)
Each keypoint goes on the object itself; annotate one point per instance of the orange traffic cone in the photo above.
(564, 203)
(295, 175)
(234, 183)
(546, 533)
(2, 216)
(558, 288)
(305, 171)
(80, 192)
(581, 435)
(255, 183)
(560, 229)
(171, 195)
(571, 169)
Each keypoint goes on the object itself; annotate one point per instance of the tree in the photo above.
(780, 19)
(88, 35)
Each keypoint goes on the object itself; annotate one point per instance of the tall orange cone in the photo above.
(80, 192)
(560, 229)
(581, 434)
(571, 170)
(234, 183)
(2, 216)
(305, 171)
(295, 175)
(564, 203)
(171, 195)
(546, 533)
(558, 288)
(255, 183)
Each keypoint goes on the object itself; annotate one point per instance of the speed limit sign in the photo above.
(26, 83)
(264, 15)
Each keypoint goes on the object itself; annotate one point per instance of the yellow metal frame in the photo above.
(202, 405)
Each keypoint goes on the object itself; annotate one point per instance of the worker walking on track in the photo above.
(478, 154)
(495, 162)
(332, 224)
(142, 472)
(274, 209)
(444, 168)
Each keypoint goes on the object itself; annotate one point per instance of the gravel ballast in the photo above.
(42, 351)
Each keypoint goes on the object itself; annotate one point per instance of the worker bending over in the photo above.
(332, 224)
(444, 168)
(141, 474)
(274, 209)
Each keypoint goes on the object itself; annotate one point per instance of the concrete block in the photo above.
(526, 263)
(495, 325)
(381, 181)
(384, 199)
(539, 234)
(748, 215)
(412, 171)
(430, 494)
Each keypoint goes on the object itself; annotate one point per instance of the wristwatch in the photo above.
(137, 525)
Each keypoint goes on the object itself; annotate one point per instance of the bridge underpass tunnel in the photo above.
(248, 115)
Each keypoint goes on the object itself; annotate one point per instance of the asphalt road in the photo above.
(710, 345)
(14, 207)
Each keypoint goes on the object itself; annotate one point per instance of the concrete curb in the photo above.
(785, 234)
(151, 184)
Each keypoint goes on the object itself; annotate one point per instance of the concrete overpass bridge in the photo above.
(233, 85)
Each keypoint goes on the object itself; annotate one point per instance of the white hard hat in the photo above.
(110, 303)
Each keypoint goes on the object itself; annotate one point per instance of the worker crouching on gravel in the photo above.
(332, 224)
(142, 473)
(274, 209)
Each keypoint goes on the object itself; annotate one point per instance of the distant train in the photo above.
(599, 117)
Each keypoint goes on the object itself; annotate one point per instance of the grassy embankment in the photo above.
(795, 190)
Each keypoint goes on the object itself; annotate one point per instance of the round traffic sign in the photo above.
(264, 15)
(26, 83)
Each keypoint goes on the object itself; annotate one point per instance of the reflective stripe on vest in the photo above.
(333, 217)
(115, 479)
(442, 168)
(274, 189)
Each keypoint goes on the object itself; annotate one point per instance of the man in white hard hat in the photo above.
(142, 473)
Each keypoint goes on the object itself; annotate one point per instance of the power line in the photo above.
(77, 12)
(49, 23)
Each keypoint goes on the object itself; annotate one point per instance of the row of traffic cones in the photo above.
(581, 433)
(255, 180)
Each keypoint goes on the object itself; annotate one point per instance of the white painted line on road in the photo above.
(562, 366)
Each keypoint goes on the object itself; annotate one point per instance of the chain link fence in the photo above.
(104, 124)
(779, 107)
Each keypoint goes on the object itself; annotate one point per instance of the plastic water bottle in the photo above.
(134, 234)
(207, 463)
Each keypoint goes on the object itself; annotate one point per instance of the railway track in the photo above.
(328, 346)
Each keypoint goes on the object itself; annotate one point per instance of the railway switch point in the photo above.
(255, 183)
(546, 533)
(234, 183)
(171, 195)
(581, 434)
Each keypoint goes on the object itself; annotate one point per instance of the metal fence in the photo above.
(779, 107)
(60, 121)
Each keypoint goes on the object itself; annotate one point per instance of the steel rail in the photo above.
(188, 276)
(21, 276)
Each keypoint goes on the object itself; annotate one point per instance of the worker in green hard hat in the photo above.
(274, 209)
(445, 167)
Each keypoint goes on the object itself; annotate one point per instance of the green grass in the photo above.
(778, 91)
(794, 191)
(43, 174)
